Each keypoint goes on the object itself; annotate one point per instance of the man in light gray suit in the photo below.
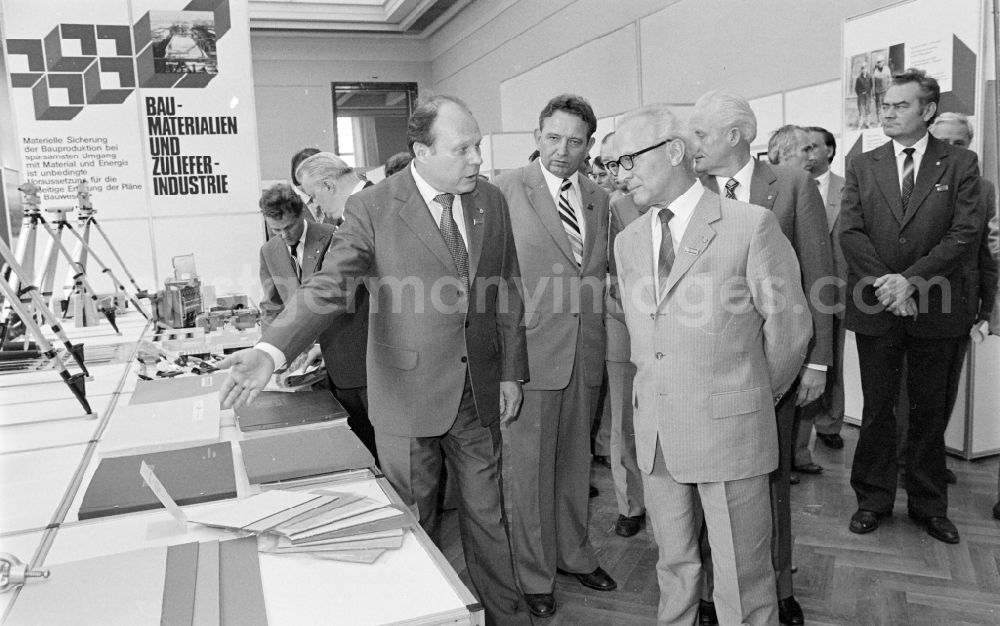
(719, 327)
(560, 223)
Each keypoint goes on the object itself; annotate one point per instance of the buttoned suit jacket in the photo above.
(426, 332)
(793, 197)
(622, 213)
(564, 303)
(936, 240)
(707, 371)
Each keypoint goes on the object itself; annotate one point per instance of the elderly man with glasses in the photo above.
(719, 326)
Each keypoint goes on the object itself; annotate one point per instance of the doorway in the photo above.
(370, 121)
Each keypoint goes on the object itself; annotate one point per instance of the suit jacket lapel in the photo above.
(762, 192)
(932, 167)
(887, 178)
(475, 227)
(698, 234)
(315, 245)
(588, 196)
(545, 208)
(833, 194)
(413, 210)
(641, 250)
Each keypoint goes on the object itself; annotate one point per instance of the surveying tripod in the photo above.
(17, 300)
(26, 247)
(85, 220)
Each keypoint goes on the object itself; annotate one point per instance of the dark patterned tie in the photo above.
(908, 181)
(295, 260)
(731, 186)
(666, 260)
(453, 238)
(570, 224)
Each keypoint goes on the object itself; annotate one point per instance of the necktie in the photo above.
(666, 260)
(453, 238)
(295, 260)
(731, 185)
(907, 190)
(568, 217)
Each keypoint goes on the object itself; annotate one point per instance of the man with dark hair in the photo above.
(294, 253)
(298, 158)
(912, 218)
(724, 127)
(826, 413)
(397, 162)
(560, 224)
(446, 343)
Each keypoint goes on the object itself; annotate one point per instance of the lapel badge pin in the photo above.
(590, 207)
(690, 250)
(940, 187)
(476, 221)
(480, 210)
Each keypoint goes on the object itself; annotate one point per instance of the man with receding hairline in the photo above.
(446, 352)
(705, 380)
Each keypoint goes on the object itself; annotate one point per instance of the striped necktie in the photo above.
(908, 181)
(731, 186)
(570, 224)
(452, 237)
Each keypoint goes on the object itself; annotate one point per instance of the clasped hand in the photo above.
(892, 291)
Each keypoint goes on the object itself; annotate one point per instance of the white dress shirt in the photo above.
(920, 147)
(743, 177)
(553, 182)
(428, 193)
(682, 207)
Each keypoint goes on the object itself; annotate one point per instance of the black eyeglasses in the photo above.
(627, 161)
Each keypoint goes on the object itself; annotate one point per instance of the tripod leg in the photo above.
(34, 298)
(134, 299)
(80, 279)
(75, 382)
(140, 293)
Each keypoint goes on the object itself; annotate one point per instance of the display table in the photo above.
(48, 452)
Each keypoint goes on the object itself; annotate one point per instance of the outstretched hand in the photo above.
(249, 372)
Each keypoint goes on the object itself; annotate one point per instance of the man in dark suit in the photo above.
(446, 348)
(560, 223)
(329, 181)
(912, 219)
(723, 127)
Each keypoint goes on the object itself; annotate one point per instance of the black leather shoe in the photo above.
(863, 521)
(627, 526)
(808, 468)
(706, 614)
(541, 604)
(940, 528)
(949, 476)
(597, 579)
(793, 479)
(789, 612)
(834, 441)
(996, 511)
(594, 492)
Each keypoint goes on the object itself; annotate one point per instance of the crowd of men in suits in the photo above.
(711, 289)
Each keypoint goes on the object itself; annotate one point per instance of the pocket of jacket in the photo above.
(735, 403)
(399, 358)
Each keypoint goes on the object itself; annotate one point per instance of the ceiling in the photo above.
(410, 18)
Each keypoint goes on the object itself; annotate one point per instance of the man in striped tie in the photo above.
(560, 224)
(911, 222)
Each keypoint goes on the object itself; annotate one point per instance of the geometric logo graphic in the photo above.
(67, 62)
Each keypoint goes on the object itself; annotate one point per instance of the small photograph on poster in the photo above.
(882, 71)
(183, 42)
(858, 100)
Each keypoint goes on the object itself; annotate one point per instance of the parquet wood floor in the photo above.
(896, 576)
